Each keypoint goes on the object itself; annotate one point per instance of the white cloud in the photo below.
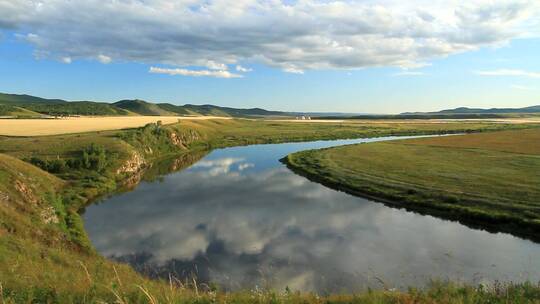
(294, 36)
(104, 59)
(195, 73)
(244, 166)
(66, 60)
(508, 72)
(212, 65)
(242, 69)
(293, 70)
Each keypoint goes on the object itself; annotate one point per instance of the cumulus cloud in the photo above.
(104, 59)
(294, 36)
(216, 66)
(508, 72)
(242, 69)
(195, 73)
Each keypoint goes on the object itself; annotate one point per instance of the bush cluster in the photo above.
(94, 157)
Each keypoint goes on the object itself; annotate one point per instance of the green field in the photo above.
(488, 180)
(45, 255)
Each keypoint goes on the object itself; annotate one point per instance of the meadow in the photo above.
(487, 180)
(45, 255)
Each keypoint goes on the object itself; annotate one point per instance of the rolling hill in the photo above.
(8, 110)
(465, 110)
(122, 107)
(142, 107)
(59, 106)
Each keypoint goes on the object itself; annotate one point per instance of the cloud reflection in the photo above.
(271, 228)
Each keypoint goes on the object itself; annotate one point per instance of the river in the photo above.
(240, 219)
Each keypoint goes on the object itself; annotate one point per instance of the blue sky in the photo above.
(57, 61)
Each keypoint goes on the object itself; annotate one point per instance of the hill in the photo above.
(465, 110)
(142, 107)
(59, 106)
(180, 110)
(7, 110)
(226, 111)
(120, 108)
(17, 99)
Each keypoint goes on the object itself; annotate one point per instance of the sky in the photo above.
(371, 56)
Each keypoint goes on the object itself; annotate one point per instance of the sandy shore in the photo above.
(35, 127)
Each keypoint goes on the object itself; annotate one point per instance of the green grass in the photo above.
(488, 180)
(45, 255)
(8, 110)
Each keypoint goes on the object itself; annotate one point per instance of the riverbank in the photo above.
(45, 255)
(487, 180)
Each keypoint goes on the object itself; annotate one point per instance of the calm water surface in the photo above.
(241, 219)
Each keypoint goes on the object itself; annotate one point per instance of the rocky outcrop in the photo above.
(26, 192)
(48, 215)
(133, 165)
(182, 140)
(4, 197)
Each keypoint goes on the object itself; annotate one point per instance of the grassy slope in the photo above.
(7, 110)
(44, 260)
(488, 179)
(142, 107)
(176, 109)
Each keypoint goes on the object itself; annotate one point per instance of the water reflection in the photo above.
(240, 219)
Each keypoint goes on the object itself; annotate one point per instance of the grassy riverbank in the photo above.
(488, 180)
(45, 255)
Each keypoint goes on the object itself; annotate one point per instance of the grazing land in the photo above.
(487, 179)
(45, 181)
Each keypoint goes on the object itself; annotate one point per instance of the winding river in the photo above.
(240, 219)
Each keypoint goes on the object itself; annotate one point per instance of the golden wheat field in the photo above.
(37, 127)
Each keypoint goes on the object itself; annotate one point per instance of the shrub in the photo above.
(94, 157)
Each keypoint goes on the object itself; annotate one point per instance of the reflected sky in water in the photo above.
(240, 219)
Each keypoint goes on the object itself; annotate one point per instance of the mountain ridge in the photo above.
(467, 110)
(126, 107)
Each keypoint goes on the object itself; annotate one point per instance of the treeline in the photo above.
(75, 108)
(94, 157)
(6, 110)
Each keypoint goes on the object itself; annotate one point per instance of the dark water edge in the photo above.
(239, 219)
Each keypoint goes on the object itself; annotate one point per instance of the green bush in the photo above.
(94, 157)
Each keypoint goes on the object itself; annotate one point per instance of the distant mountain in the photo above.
(142, 107)
(226, 111)
(122, 107)
(16, 99)
(8, 110)
(59, 106)
(465, 110)
(180, 110)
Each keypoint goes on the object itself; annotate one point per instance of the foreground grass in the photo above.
(488, 180)
(45, 255)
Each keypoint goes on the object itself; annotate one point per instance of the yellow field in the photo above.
(36, 127)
